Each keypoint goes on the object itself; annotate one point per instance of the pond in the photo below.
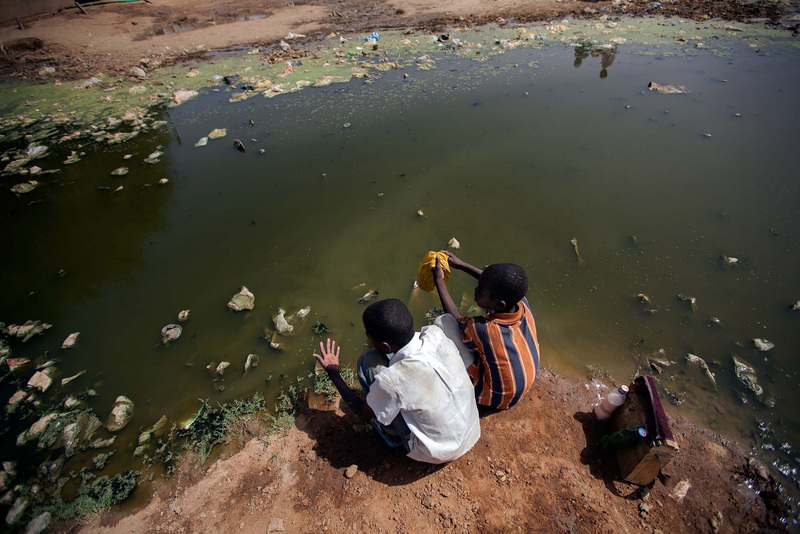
(514, 156)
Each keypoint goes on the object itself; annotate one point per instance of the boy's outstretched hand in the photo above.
(329, 360)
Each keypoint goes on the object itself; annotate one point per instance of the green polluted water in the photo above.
(514, 156)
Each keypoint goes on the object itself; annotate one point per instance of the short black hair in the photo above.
(389, 321)
(506, 281)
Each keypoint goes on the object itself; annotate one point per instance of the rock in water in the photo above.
(181, 96)
(171, 332)
(747, 376)
(121, 414)
(238, 145)
(369, 295)
(17, 510)
(183, 315)
(281, 325)
(763, 345)
(202, 142)
(691, 358)
(252, 361)
(221, 368)
(39, 524)
(27, 330)
(70, 341)
(216, 133)
(25, 187)
(120, 171)
(454, 244)
(243, 300)
(65, 381)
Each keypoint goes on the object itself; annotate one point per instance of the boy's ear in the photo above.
(383, 347)
(500, 305)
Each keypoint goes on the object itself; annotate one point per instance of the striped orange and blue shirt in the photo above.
(507, 355)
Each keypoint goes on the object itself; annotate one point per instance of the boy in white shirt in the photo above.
(418, 392)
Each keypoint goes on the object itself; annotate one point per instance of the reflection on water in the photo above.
(607, 53)
(550, 154)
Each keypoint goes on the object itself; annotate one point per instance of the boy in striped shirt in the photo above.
(504, 342)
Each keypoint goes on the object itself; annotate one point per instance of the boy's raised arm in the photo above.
(457, 263)
(441, 288)
(329, 360)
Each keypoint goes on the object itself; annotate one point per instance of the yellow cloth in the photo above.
(425, 273)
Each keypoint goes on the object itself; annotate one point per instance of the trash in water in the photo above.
(454, 244)
(252, 361)
(369, 295)
(36, 151)
(183, 315)
(202, 142)
(171, 332)
(25, 187)
(747, 376)
(74, 157)
(298, 316)
(238, 145)
(691, 300)
(281, 324)
(320, 328)
(70, 341)
(287, 71)
(715, 320)
(216, 133)
(41, 380)
(121, 414)
(243, 300)
(190, 421)
(643, 298)
(574, 242)
(420, 213)
(181, 96)
(374, 36)
(796, 306)
(346, 125)
(65, 381)
(121, 171)
(668, 89)
(118, 189)
(27, 330)
(163, 181)
(729, 261)
(763, 345)
(154, 157)
(691, 358)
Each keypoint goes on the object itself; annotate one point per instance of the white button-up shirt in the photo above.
(427, 383)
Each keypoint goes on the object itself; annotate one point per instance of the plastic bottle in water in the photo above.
(614, 400)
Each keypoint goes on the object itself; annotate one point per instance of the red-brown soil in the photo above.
(536, 468)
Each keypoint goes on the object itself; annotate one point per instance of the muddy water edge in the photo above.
(684, 206)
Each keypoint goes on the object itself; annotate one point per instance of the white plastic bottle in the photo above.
(614, 400)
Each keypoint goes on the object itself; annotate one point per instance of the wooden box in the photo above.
(641, 463)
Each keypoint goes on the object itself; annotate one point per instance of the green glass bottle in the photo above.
(624, 438)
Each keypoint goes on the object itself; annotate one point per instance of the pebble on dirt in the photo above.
(351, 471)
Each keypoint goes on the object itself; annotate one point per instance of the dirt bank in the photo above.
(113, 38)
(536, 468)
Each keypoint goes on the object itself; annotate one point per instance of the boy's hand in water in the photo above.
(453, 260)
(330, 356)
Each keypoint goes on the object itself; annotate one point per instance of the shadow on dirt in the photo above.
(343, 440)
(602, 463)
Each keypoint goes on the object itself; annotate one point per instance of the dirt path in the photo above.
(536, 468)
(113, 38)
